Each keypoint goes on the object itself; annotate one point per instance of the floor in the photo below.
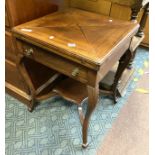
(130, 133)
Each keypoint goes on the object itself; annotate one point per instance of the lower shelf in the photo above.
(71, 90)
(124, 81)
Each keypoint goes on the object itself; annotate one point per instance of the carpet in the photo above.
(54, 127)
(130, 132)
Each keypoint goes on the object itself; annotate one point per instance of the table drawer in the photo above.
(56, 62)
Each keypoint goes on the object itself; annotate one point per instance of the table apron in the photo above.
(112, 59)
(67, 67)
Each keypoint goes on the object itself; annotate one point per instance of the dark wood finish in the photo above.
(123, 63)
(135, 10)
(79, 44)
(143, 21)
(108, 80)
(44, 73)
(17, 12)
(116, 56)
(137, 7)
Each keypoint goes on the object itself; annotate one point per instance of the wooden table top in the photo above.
(77, 33)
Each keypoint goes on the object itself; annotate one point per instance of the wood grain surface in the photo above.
(81, 34)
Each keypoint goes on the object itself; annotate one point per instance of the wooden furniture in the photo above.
(18, 12)
(81, 45)
(118, 9)
(124, 10)
(33, 9)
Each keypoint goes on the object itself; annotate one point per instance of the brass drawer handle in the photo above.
(75, 72)
(29, 51)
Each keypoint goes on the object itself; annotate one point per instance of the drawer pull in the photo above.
(29, 51)
(75, 72)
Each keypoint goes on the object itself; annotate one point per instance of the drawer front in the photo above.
(9, 47)
(13, 77)
(54, 61)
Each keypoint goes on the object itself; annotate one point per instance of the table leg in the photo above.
(93, 93)
(130, 65)
(123, 63)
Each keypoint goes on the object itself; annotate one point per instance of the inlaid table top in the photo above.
(78, 33)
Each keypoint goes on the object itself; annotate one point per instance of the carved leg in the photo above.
(123, 63)
(143, 21)
(130, 65)
(141, 29)
(27, 80)
(92, 101)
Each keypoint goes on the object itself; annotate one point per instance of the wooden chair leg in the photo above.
(92, 101)
(123, 63)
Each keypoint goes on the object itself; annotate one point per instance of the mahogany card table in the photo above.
(82, 45)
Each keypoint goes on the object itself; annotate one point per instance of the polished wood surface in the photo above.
(78, 28)
(78, 44)
(118, 9)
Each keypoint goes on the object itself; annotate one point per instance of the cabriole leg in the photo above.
(123, 63)
(92, 101)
